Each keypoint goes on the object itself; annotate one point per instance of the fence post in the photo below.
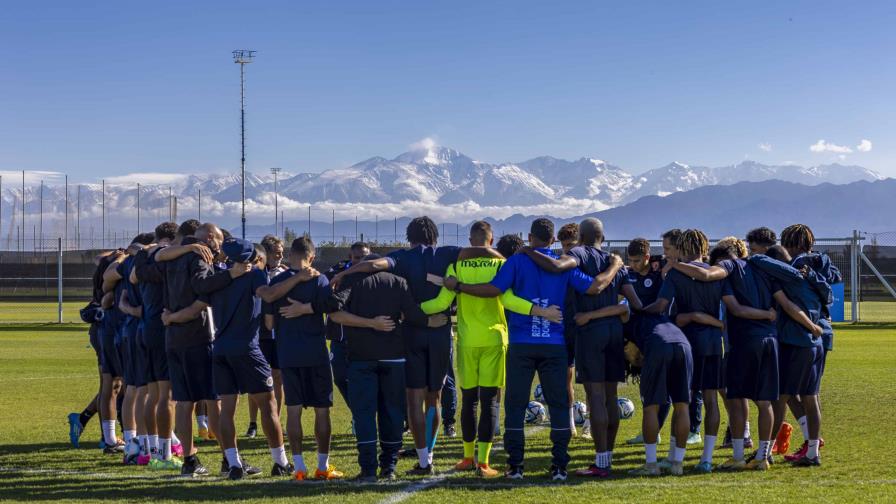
(59, 277)
(854, 276)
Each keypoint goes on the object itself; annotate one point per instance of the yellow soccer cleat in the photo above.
(758, 465)
(330, 474)
(733, 465)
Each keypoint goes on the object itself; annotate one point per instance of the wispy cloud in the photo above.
(823, 146)
(765, 146)
(864, 146)
(424, 143)
(149, 178)
(12, 178)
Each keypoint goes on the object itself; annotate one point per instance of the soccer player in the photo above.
(304, 359)
(536, 345)
(760, 239)
(428, 349)
(691, 298)
(663, 359)
(568, 236)
(481, 346)
(801, 350)
(273, 254)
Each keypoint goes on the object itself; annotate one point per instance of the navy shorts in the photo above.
(599, 354)
(667, 373)
(428, 359)
(133, 370)
(308, 386)
(190, 370)
(94, 333)
(154, 363)
(569, 337)
(801, 369)
(110, 360)
(708, 373)
(752, 369)
(269, 350)
(242, 374)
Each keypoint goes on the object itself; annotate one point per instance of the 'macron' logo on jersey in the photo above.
(541, 327)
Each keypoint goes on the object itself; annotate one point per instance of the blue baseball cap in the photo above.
(238, 250)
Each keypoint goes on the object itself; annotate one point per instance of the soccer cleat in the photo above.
(115, 449)
(586, 431)
(782, 442)
(733, 465)
(593, 471)
(143, 460)
(558, 473)
(204, 434)
(752, 457)
(646, 470)
(236, 473)
(793, 457)
(165, 465)
(805, 461)
(421, 471)
(484, 471)
(177, 450)
(192, 467)
(252, 431)
(758, 465)
(450, 431)
(676, 469)
(330, 473)
(387, 474)
(514, 472)
(748, 442)
(467, 464)
(694, 438)
(365, 479)
(637, 440)
(279, 470)
(74, 429)
(665, 465)
(407, 453)
(131, 452)
(299, 475)
(704, 467)
(250, 469)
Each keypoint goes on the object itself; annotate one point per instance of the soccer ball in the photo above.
(535, 413)
(579, 412)
(539, 393)
(626, 408)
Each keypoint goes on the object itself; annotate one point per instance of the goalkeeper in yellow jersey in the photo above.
(481, 343)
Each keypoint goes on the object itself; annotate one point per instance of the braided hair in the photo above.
(692, 243)
(798, 237)
(422, 231)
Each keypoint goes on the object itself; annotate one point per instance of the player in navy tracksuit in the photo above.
(429, 349)
(665, 365)
(536, 345)
(698, 305)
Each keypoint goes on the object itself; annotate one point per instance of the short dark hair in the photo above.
(762, 236)
(481, 231)
(422, 230)
(798, 237)
(144, 238)
(226, 234)
(509, 244)
(359, 245)
(568, 232)
(638, 247)
(269, 242)
(188, 227)
(721, 252)
(166, 230)
(543, 229)
(778, 252)
(672, 235)
(303, 246)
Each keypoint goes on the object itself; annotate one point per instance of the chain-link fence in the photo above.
(52, 284)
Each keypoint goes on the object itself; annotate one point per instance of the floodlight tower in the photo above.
(242, 57)
(276, 171)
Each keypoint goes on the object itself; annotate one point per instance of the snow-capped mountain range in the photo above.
(429, 177)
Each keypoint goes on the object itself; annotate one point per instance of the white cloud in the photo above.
(424, 144)
(823, 146)
(765, 146)
(864, 146)
(841, 157)
(32, 177)
(148, 178)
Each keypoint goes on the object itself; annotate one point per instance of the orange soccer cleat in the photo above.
(330, 474)
(782, 442)
(466, 464)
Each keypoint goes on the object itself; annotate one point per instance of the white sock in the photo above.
(650, 450)
(233, 457)
(813, 448)
(323, 461)
(202, 420)
(678, 454)
(423, 457)
(144, 443)
(738, 446)
(164, 449)
(129, 435)
(572, 418)
(804, 426)
(764, 449)
(430, 458)
(109, 432)
(299, 462)
(154, 442)
(747, 431)
(174, 438)
(709, 445)
(278, 455)
(672, 445)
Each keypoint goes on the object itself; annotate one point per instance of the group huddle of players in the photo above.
(187, 318)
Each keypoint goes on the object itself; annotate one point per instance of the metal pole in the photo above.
(41, 221)
(170, 204)
(396, 230)
(138, 207)
(199, 204)
(65, 232)
(309, 221)
(243, 146)
(59, 277)
(24, 229)
(104, 214)
(334, 226)
(79, 217)
(356, 228)
(854, 276)
(376, 232)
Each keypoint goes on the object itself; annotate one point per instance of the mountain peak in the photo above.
(426, 151)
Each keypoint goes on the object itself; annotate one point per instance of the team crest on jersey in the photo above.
(648, 282)
(269, 381)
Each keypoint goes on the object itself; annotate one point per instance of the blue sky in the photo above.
(98, 89)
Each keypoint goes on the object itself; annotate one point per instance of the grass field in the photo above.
(47, 371)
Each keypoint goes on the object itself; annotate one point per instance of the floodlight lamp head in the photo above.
(243, 56)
